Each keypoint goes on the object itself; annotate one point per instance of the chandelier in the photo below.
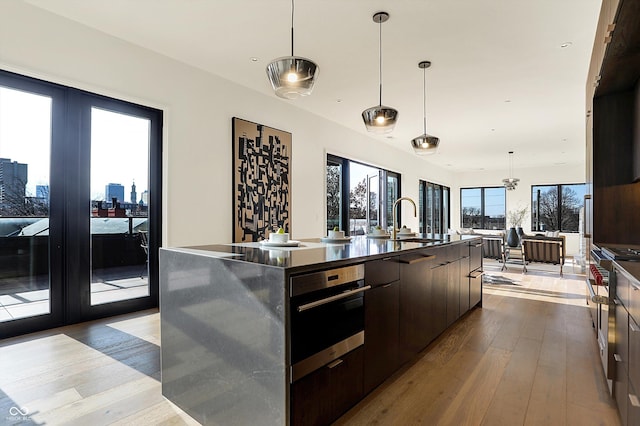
(510, 183)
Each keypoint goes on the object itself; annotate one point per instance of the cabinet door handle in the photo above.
(335, 363)
(633, 327)
(387, 285)
(634, 400)
(617, 357)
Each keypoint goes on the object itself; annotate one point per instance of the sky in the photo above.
(119, 143)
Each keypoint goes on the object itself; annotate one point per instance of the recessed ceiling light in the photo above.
(565, 44)
(338, 100)
(390, 137)
(254, 59)
(508, 100)
(493, 130)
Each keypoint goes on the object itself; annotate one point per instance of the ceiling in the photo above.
(500, 79)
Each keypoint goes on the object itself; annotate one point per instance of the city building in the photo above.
(114, 190)
(13, 182)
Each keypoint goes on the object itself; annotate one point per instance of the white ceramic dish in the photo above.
(336, 235)
(406, 234)
(378, 236)
(274, 237)
(336, 240)
(290, 243)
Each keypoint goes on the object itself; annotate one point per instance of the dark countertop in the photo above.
(314, 252)
(632, 268)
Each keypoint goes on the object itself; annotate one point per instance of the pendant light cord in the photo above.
(424, 98)
(292, 8)
(380, 60)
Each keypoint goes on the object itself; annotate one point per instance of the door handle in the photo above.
(321, 302)
(335, 363)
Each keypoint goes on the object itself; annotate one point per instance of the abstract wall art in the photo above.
(261, 181)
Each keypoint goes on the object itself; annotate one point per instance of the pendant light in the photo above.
(510, 183)
(425, 144)
(292, 76)
(380, 118)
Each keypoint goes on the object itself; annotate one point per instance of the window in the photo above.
(483, 208)
(434, 208)
(372, 192)
(556, 207)
(77, 243)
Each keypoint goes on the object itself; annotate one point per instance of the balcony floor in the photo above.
(29, 296)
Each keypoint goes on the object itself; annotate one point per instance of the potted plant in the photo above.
(515, 217)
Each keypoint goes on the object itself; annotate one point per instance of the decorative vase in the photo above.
(512, 237)
(520, 232)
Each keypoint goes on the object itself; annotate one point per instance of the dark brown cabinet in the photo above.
(381, 322)
(324, 395)
(417, 311)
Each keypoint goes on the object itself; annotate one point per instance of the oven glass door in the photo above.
(315, 326)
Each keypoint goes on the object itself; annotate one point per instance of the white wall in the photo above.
(521, 196)
(197, 128)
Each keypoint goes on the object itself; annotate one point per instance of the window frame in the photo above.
(442, 194)
(535, 225)
(483, 206)
(384, 204)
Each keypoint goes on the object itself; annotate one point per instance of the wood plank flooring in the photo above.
(528, 357)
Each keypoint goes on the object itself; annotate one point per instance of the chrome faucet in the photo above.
(395, 214)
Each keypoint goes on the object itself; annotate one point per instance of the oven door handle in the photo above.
(330, 299)
(601, 300)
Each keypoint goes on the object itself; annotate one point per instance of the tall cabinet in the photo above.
(612, 204)
(613, 127)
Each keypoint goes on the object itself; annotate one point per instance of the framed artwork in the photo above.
(261, 181)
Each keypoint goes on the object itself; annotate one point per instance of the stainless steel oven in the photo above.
(602, 307)
(601, 298)
(327, 317)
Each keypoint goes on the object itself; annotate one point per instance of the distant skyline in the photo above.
(119, 143)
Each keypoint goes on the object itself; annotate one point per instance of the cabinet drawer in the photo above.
(634, 300)
(622, 287)
(633, 406)
(633, 363)
(621, 350)
(382, 271)
(475, 254)
(324, 395)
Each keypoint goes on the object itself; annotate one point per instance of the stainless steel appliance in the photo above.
(602, 309)
(601, 300)
(327, 318)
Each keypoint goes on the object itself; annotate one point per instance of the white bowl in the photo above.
(278, 238)
(405, 231)
(336, 235)
(375, 231)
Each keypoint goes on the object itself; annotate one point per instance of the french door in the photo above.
(80, 196)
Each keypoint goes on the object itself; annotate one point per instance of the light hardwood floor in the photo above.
(528, 357)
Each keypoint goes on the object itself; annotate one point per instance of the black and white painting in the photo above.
(261, 180)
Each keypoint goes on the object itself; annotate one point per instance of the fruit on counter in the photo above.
(336, 229)
(280, 231)
(378, 227)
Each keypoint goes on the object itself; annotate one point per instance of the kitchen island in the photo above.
(239, 331)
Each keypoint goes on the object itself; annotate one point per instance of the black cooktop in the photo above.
(621, 253)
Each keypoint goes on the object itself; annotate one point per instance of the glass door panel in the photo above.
(119, 206)
(334, 192)
(25, 151)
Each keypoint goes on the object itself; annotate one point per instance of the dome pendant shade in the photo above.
(292, 76)
(380, 119)
(425, 144)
